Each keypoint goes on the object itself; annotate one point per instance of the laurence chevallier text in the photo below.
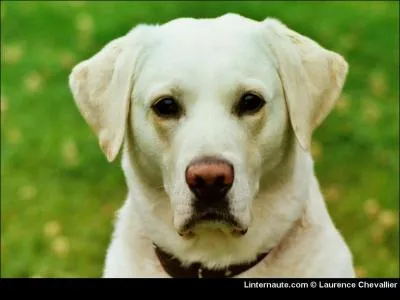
(320, 284)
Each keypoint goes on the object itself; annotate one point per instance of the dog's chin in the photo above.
(212, 223)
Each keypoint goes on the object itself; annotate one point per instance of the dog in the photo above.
(214, 119)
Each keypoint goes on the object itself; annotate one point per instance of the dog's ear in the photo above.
(101, 87)
(312, 78)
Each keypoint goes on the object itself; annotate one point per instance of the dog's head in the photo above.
(211, 111)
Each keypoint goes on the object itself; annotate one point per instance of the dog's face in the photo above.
(209, 115)
(211, 111)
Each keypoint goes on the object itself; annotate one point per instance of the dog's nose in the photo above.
(210, 178)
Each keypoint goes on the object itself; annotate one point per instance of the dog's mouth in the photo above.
(212, 219)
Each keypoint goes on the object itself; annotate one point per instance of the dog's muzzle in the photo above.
(210, 180)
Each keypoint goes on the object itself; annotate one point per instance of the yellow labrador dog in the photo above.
(215, 118)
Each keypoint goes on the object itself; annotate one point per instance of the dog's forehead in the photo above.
(229, 23)
(187, 46)
(225, 30)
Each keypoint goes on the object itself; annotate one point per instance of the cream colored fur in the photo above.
(207, 64)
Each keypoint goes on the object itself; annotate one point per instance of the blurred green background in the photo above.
(58, 193)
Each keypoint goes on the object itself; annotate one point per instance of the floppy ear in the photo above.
(101, 87)
(312, 78)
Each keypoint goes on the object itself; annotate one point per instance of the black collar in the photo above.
(175, 269)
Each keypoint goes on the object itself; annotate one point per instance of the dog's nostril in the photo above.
(220, 181)
(199, 182)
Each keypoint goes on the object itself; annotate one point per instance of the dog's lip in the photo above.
(187, 231)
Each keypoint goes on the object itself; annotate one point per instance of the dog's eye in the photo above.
(167, 108)
(249, 104)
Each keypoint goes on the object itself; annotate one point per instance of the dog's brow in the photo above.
(161, 90)
(253, 85)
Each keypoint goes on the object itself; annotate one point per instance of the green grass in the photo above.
(58, 193)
